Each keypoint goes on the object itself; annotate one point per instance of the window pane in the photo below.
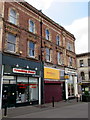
(12, 13)
(11, 38)
(31, 49)
(32, 45)
(48, 54)
(31, 26)
(47, 34)
(81, 63)
(12, 17)
(58, 40)
(33, 89)
(22, 90)
(47, 51)
(11, 42)
(11, 47)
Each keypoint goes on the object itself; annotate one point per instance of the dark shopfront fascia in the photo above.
(21, 85)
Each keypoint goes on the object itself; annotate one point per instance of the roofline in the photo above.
(83, 54)
(46, 17)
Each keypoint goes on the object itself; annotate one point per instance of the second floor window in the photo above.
(11, 43)
(81, 63)
(47, 34)
(57, 40)
(13, 16)
(31, 26)
(31, 49)
(69, 47)
(48, 55)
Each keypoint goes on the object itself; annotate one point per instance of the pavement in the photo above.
(35, 110)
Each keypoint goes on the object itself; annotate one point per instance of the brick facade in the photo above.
(25, 12)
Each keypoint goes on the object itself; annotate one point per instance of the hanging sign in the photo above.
(23, 71)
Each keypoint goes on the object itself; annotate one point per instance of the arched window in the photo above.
(82, 75)
(58, 40)
(47, 34)
(31, 26)
(13, 16)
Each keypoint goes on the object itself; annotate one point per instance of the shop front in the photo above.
(21, 86)
(71, 83)
(53, 87)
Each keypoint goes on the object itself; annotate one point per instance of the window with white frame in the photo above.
(58, 40)
(48, 54)
(31, 48)
(13, 16)
(47, 34)
(59, 58)
(31, 26)
(11, 42)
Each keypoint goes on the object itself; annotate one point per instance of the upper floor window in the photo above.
(82, 75)
(81, 63)
(59, 58)
(47, 34)
(31, 26)
(70, 61)
(57, 40)
(48, 54)
(69, 47)
(13, 16)
(88, 62)
(11, 43)
(31, 49)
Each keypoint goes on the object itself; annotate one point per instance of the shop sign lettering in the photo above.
(23, 71)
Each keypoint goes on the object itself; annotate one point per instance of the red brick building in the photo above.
(29, 40)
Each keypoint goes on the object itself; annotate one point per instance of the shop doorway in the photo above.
(9, 95)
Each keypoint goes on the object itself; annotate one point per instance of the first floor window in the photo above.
(81, 63)
(70, 61)
(82, 75)
(31, 49)
(59, 58)
(48, 57)
(11, 43)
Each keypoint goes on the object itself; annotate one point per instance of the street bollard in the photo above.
(52, 101)
(77, 98)
(5, 110)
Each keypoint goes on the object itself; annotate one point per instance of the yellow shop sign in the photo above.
(51, 73)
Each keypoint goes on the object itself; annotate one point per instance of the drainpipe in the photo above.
(41, 81)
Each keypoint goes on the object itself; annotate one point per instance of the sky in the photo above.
(73, 16)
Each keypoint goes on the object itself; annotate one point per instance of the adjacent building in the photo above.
(83, 70)
(38, 57)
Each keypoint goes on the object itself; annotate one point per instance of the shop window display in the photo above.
(33, 89)
(26, 90)
(22, 90)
